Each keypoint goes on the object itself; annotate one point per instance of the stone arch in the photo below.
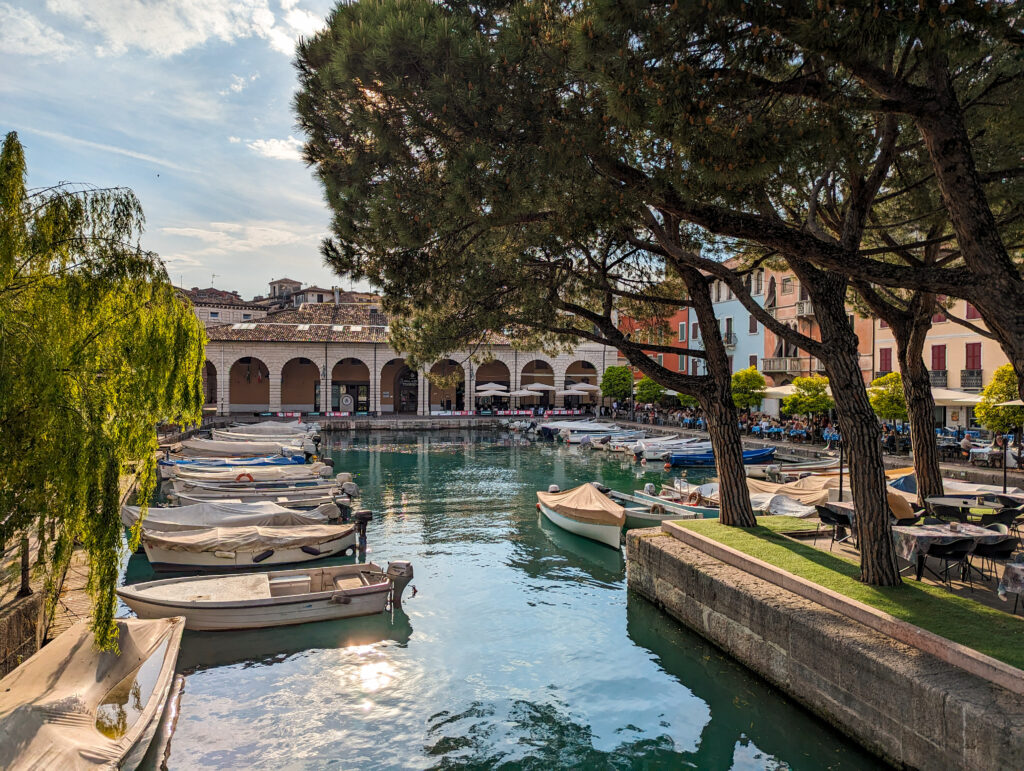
(350, 377)
(209, 383)
(581, 372)
(249, 385)
(447, 396)
(538, 371)
(300, 385)
(399, 388)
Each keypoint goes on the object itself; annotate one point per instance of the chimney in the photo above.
(337, 296)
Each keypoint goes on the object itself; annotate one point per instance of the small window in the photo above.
(938, 358)
(681, 363)
(243, 326)
(695, 331)
(319, 298)
(682, 331)
(972, 358)
(752, 325)
(758, 288)
(661, 359)
(303, 327)
(355, 329)
(883, 324)
(885, 359)
(752, 362)
(730, 363)
(337, 327)
(787, 285)
(972, 313)
(246, 316)
(693, 366)
(939, 317)
(214, 314)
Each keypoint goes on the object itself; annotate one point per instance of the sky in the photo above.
(187, 102)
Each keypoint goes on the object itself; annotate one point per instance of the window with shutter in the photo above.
(938, 357)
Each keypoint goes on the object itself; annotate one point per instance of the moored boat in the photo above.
(707, 459)
(783, 469)
(215, 448)
(648, 511)
(274, 427)
(585, 511)
(231, 548)
(169, 466)
(277, 598)
(218, 514)
(233, 435)
(311, 488)
(71, 706)
(299, 500)
(219, 474)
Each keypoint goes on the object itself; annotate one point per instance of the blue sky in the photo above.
(188, 102)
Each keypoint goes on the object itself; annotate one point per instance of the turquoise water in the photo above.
(521, 648)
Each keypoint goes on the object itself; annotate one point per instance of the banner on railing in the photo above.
(452, 413)
(513, 412)
(549, 413)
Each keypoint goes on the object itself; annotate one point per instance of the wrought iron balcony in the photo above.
(781, 364)
(804, 308)
(729, 339)
(970, 379)
(938, 378)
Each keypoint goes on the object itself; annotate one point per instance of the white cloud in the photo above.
(22, 34)
(289, 149)
(109, 149)
(169, 27)
(303, 22)
(238, 83)
(234, 140)
(224, 238)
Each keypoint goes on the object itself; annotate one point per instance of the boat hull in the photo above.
(609, 535)
(291, 610)
(168, 560)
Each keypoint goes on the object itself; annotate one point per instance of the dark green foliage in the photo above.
(617, 383)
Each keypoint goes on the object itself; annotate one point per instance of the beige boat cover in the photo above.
(245, 538)
(197, 446)
(218, 514)
(273, 427)
(48, 705)
(585, 504)
(810, 491)
(258, 473)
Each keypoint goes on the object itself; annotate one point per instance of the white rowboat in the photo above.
(218, 514)
(278, 598)
(214, 448)
(585, 511)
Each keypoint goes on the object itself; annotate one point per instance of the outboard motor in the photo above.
(344, 511)
(399, 573)
(554, 489)
(328, 467)
(351, 489)
(603, 489)
(583, 439)
(650, 489)
(362, 518)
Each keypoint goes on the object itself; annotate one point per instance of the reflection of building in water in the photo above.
(334, 357)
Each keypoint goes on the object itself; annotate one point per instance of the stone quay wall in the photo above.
(905, 705)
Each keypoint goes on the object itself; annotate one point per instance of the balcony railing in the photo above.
(817, 365)
(938, 378)
(773, 312)
(729, 339)
(782, 364)
(804, 308)
(970, 379)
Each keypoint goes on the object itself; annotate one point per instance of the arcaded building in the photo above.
(334, 358)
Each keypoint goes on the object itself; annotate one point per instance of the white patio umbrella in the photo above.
(491, 387)
(1011, 403)
(523, 392)
(540, 387)
(571, 392)
(781, 392)
(492, 393)
(585, 387)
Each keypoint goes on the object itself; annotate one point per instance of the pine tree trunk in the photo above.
(863, 451)
(917, 390)
(733, 494)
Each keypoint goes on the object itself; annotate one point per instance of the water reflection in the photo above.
(122, 705)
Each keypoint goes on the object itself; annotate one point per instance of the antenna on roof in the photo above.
(213, 277)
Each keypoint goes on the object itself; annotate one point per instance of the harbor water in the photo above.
(519, 648)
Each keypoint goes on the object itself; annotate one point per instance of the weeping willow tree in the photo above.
(96, 347)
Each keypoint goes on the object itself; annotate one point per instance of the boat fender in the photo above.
(226, 555)
(311, 550)
(263, 555)
(668, 466)
(554, 489)
(340, 598)
(538, 507)
(246, 476)
(693, 498)
(658, 510)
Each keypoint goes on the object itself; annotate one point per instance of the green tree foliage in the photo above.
(648, 392)
(810, 397)
(887, 399)
(96, 347)
(616, 383)
(687, 401)
(1003, 388)
(748, 387)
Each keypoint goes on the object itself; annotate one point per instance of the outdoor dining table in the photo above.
(965, 502)
(912, 541)
(1012, 581)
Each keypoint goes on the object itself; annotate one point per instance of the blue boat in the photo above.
(708, 458)
(269, 460)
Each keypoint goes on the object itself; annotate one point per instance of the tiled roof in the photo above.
(216, 297)
(316, 323)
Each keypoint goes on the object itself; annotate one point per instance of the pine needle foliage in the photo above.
(96, 347)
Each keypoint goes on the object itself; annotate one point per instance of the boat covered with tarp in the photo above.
(71, 706)
(169, 466)
(285, 473)
(707, 459)
(274, 427)
(231, 548)
(218, 514)
(215, 448)
(585, 511)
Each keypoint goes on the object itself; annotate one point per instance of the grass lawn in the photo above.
(992, 632)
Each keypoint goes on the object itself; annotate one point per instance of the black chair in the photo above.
(933, 521)
(839, 523)
(948, 513)
(993, 552)
(1005, 517)
(894, 520)
(955, 553)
